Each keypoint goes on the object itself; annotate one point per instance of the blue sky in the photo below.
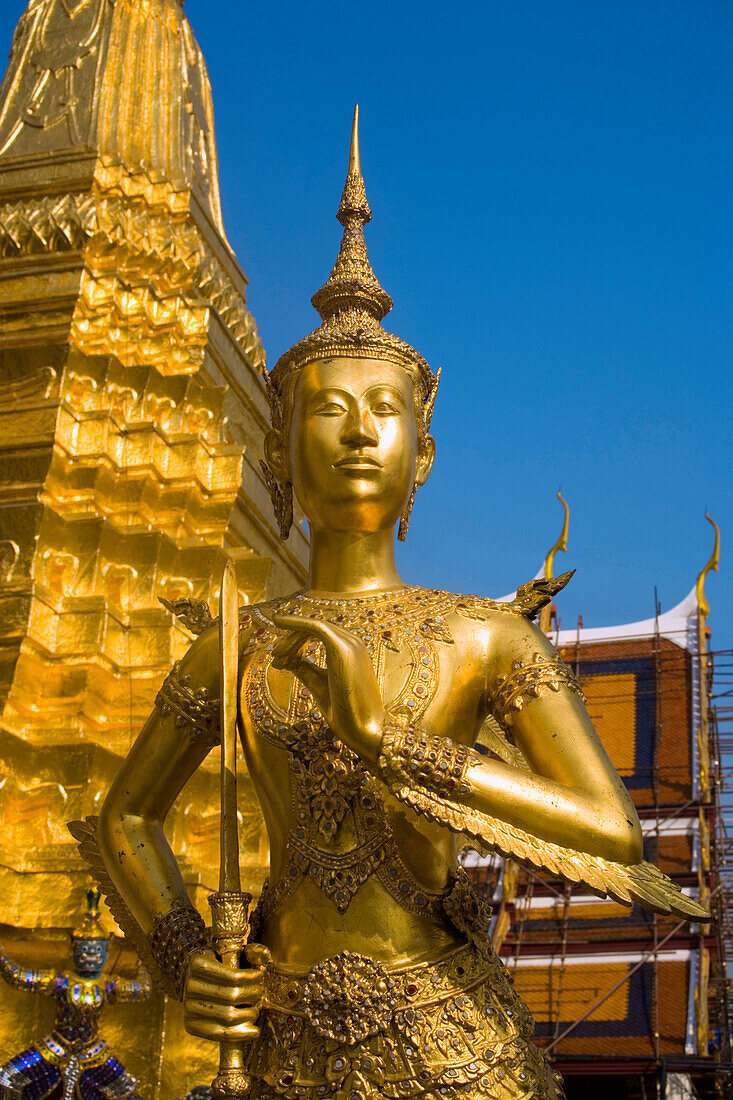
(550, 184)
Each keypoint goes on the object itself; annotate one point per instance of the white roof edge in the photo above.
(677, 625)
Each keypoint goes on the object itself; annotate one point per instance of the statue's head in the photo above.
(90, 957)
(351, 404)
(89, 941)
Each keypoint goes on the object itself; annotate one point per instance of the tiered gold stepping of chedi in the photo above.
(132, 411)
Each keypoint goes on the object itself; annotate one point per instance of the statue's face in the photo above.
(90, 957)
(352, 450)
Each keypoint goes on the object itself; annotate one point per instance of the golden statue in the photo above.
(73, 1062)
(370, 971)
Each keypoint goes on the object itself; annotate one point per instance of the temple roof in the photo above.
(681, 624)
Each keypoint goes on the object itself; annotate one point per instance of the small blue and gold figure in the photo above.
(73, 1062)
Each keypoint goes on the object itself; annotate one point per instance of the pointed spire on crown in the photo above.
(352, 304)
(352, 284)
(353, 197)
(91, 927)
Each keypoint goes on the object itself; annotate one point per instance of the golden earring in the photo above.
(281, 494)
(405, 517)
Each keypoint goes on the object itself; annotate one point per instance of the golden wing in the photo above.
(85, 833)
(493, 737)
(535, 595)
(640, 882)
(193, 614)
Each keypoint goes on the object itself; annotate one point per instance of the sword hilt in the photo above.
(230, 926)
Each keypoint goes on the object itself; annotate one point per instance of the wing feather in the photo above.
(640, 882)
(85, 834)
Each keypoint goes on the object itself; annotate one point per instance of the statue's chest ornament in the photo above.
(340, 832)
(85, 995)
(409, 621)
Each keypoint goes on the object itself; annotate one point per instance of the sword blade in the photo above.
(229, 880)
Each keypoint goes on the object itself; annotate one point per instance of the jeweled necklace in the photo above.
(386, 618)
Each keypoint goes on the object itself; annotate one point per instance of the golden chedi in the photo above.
(370, 972)
(132, 415)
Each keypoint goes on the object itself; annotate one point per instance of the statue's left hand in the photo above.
(347, 690)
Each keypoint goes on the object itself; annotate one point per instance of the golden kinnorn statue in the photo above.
(360, 700)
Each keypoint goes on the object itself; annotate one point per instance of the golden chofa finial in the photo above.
(562, 542)
(702, 603)
(352, 284)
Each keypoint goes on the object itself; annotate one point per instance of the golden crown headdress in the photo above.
(351, 304)
(91, 926)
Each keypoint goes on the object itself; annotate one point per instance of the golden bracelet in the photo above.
(410, 756)
(174, 938)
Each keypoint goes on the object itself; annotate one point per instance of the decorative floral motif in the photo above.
(453, 1028)
(468, 912)
(528, 680)
(348, 998)
(193, 709)
(330, 776)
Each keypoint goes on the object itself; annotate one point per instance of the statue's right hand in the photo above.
(221, 1003)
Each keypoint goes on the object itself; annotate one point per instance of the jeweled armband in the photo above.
(21, 977)
(410, 756)
(192, 707)
(528, 680)
(174, 938)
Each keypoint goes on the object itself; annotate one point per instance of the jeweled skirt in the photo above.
(356, 1030)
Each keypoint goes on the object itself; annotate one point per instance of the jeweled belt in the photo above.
(58, 1050)
(350, 997)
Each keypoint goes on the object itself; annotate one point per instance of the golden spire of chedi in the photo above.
(132, 413)
(121, 79)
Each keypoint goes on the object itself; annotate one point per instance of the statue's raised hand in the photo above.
(347, 690)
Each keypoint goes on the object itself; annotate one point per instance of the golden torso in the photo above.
(351, 868)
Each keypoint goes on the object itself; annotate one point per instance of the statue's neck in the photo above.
(352, 561)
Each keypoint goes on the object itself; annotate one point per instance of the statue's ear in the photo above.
(425, 460)
(276, 455)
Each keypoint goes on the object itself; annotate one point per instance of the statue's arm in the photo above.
(21, 977)
(121, 990)
(571, 795)
(179, 734)
(145, 890)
